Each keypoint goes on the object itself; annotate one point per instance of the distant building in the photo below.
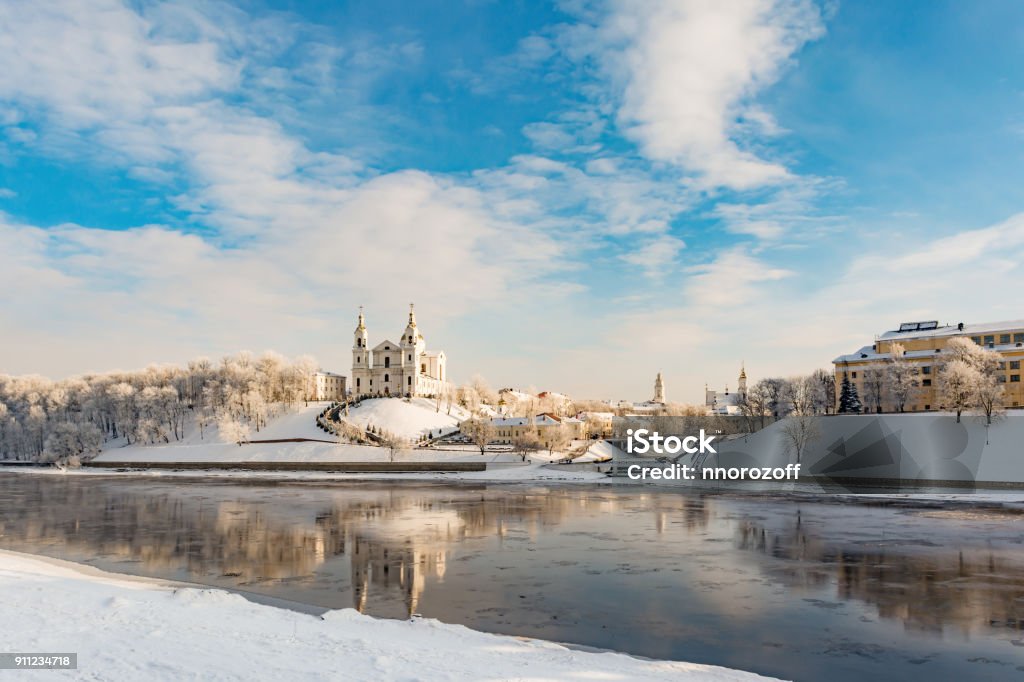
(659, 390)
(923, 343)
(328, 386)
(543, 426)
(405, 368)
(598, 423)
(724, 402)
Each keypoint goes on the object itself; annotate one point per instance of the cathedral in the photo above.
(402, 369)
(724, 402)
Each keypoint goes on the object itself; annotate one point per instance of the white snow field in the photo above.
(126, 628)
(407, 420)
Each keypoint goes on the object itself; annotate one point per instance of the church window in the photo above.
(410, 357)
(386, 378)
(410, 381)
(423, 368)
(357, 382)
(387, 361)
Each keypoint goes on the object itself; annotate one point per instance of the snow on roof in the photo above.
(329, 374)
(539, 420)
(953, 330)
(868, 354)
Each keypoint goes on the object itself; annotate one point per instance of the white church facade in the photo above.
(400, 369)
(724, 402)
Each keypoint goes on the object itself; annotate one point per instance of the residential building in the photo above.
(923, 344)
(544, 426)
(328, 386)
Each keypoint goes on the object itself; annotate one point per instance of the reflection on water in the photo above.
(794, 590)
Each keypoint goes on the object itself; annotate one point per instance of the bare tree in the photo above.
(825, 394)
(774, 389)
(480, 431)
(875, 387)
(798, 431)
(524, 443)
(754, 405)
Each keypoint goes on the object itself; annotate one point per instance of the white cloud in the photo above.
(286, 237)
(656, 257)
(730, 279)
(683, 75)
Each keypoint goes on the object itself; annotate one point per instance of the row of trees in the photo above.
(968, 377)
(44, 420)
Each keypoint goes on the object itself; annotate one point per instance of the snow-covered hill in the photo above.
(406, 419)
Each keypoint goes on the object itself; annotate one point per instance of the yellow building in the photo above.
(546, 427)
(923, 343)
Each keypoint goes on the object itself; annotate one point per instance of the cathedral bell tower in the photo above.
(360, 351)
(742, 388)
(659, 390)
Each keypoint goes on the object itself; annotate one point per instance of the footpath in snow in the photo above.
(135, 629)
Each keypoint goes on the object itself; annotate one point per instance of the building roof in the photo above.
(922, 330)
(544, 419)
(869, 354)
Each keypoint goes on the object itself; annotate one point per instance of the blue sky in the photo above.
(577, 195)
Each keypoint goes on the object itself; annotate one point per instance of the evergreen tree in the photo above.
(849, 401)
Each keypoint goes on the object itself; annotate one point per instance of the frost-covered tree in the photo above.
(988, 397)
(481, 432)
(558, 438)
(231, 430)
(70, 443)
(525, 443)
(901, 378)
(957, 383)
(393, 443)
(968, 378)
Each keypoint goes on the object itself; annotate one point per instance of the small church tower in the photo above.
(659, 390)
(361, 360)
(742, 388)
(359, 344)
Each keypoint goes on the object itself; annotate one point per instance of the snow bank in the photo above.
(282, 452)
(125, 629)
(601, 451)
(404, 419)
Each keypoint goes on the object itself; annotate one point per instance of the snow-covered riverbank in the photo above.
(126, 628)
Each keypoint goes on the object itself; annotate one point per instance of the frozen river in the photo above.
(797, 589)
